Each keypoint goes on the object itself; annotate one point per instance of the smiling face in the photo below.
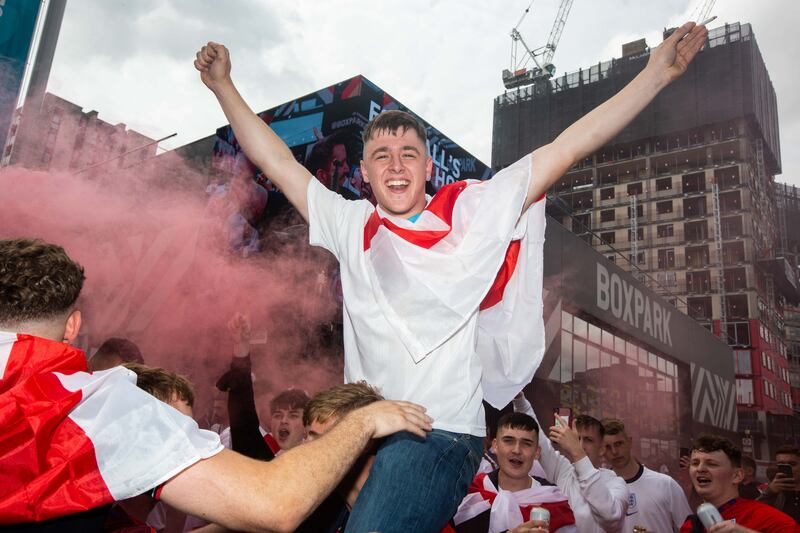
(516, 451)
(397, 165)
(714, 477)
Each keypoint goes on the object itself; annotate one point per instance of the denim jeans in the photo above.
(415, 484)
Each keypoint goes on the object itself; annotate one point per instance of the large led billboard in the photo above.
(323, 130)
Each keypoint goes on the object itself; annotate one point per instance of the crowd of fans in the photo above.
(566, 475)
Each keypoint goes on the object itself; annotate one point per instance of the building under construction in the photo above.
(685, 198)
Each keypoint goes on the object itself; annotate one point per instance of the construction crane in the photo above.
(521, 71)
(703, 10)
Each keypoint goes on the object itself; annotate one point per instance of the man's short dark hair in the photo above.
(787, 449)
(289, 399)
(714, 443)
(391, 121)
(38, 281)
(321, 154)
(126, 350)
(517, 421)
(589, 422)
(614, 426)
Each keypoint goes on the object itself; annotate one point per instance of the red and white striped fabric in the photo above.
(510, 509)
(470, 251)
(72, 441)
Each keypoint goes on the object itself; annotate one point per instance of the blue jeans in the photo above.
(416, 484)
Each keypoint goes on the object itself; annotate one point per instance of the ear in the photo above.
(738, 475)
(428, 169)
(537, 454)
(72, 326)
(321, 175)
(363, 168)
(494, 445)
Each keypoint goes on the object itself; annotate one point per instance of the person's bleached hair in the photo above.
(38, 282)
(337, 401)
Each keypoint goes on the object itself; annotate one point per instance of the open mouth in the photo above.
(703, 481)
(283, 434)
(516, 463)
(398, 185)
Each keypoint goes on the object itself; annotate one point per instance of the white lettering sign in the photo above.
(626, 302)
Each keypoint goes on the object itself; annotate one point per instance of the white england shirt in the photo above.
(655, 501)
(447, 382)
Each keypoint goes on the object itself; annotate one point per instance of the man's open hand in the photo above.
(672, 57)
(567, 439)
(387, 417)
(214, 64)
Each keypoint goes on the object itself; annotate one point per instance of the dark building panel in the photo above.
(726, 81)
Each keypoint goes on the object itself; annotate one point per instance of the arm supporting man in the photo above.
(244, 494)
(263, 147)
(667, 62)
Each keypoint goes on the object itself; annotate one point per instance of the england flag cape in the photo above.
(73, 441)
(472, 250)
(510, 509)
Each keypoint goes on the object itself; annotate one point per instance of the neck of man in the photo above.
(629, 470)
(730, 494)
(513, 484)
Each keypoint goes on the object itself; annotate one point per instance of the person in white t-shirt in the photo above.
(597, 496)
(416, 273)
(656, 502)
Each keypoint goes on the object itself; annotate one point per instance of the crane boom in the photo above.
(519, 74)
(558, 27)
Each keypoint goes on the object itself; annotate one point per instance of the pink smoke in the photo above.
(159, 272)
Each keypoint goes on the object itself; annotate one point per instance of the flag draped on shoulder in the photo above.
(72, 441)
(510, 509)
(472, 250)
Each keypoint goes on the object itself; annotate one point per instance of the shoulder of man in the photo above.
(762, 517)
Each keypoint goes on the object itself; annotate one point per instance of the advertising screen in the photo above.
(323, 130)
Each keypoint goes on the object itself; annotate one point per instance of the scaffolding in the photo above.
(723, 305)
(634, 230)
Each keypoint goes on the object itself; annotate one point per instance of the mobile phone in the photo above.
(563, 413)
(785, 469)
(684, 452)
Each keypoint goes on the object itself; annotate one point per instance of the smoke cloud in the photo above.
(160, 271)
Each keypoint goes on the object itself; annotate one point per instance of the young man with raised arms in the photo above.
(421, 277)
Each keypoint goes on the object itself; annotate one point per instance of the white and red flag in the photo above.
(472, 250)
(72, 441)
(509, 509)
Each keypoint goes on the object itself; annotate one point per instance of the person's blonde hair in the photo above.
(339, 400)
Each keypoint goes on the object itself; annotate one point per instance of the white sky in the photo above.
(131, 60)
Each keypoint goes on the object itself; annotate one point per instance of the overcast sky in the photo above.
(131, 60)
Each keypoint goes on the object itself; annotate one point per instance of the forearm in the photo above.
(608, 502)
(602, 124)
(241, 493)
(245, 431)
(591, 132)
(262, 146)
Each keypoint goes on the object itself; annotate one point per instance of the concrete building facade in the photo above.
(684, 198)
